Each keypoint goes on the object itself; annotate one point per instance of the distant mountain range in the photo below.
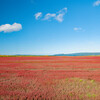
(72, 54)
(79, 54)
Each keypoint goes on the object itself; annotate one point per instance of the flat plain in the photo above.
(50, 78)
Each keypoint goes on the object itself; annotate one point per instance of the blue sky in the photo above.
(49, 26)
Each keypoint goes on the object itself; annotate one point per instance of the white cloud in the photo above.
(10, 28)
(77, 29)
(38, 15)
(57, 16)
(63, 11)
(49, 16)
(96, 3)
(61, 14)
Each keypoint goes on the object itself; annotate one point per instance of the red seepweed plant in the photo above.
(50, 78)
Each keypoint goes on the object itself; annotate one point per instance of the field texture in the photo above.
(50, 78)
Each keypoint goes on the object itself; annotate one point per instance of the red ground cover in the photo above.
(19, 74)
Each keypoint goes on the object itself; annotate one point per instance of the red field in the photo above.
(50, 78)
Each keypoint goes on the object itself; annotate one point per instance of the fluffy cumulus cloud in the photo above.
(38, 15)
(77, 29)
(10, 28)
(59, 16)
(96, 3)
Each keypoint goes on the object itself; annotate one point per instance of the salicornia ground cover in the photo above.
(49, 78)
